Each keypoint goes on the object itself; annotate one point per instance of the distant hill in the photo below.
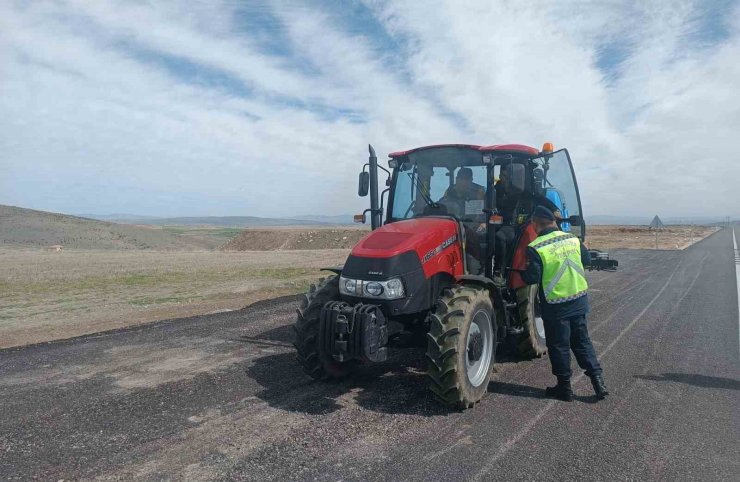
(115, 217)
(645, 220)
(223, 221)
(620, 220)
(340, 219)
(31, 228)
(227, 221)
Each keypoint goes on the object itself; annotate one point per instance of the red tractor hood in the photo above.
(427, 236)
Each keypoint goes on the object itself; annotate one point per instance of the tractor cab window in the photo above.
(444, 187)
(553, 178)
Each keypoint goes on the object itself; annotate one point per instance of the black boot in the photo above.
(599, 387)
(561, 391)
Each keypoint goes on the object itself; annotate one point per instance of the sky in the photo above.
(266, 108)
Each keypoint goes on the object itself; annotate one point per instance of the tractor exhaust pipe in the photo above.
(375, 214)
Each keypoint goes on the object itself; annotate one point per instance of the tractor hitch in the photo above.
(349, 332)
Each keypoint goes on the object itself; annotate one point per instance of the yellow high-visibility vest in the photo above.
(563, 276)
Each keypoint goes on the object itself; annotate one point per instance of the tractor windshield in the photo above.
(554, 178)
(440, 181)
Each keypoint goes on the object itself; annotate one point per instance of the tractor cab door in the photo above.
(555, 179)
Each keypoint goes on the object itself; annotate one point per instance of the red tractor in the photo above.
(444, 264)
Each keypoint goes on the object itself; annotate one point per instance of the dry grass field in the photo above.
(52, 295)
(641, 237)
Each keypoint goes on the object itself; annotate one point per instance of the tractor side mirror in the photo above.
(516, 175)
(574, 220)
(364, 184)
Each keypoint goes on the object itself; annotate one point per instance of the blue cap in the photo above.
(543, 213)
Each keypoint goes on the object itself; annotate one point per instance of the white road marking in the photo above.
(635, 320)
(509, 444)
(737, 282)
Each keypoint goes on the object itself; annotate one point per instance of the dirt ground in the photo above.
(53, 295)
(641, 237)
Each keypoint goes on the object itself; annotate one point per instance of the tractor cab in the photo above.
(446, 180)
(483, 188)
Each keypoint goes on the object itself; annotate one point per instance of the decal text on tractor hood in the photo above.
(432, 253)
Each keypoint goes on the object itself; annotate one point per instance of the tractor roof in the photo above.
(513, 148)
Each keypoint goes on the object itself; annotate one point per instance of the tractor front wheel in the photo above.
(461, 346)
(316, 364)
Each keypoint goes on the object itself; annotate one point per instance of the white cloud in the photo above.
(655, 139)
(120, 106)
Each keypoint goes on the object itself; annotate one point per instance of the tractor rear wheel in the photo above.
(531, 343)
(461, 346)
(314, 363)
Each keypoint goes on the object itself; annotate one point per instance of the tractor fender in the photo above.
(500, 316)
(476, 280)
(336, 270)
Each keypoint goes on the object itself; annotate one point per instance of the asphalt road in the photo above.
(220, 397)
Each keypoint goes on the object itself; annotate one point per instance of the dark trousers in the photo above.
(504, 239)
(564, 335)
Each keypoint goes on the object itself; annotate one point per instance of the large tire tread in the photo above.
(445, 371)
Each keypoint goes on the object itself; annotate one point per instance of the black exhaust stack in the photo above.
(375, 214)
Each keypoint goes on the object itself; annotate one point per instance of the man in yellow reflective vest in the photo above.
(555, 263)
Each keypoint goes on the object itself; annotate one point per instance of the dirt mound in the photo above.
(286, 239)
(20, 227)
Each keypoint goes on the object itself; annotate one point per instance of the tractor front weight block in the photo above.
(349, 332)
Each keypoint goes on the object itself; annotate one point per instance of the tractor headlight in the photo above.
(391, 289)
(349, 286)
(374, 288)
(394, 288)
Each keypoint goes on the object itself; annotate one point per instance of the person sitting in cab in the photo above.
(464, 188)
(454, 199)
(515, 209)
